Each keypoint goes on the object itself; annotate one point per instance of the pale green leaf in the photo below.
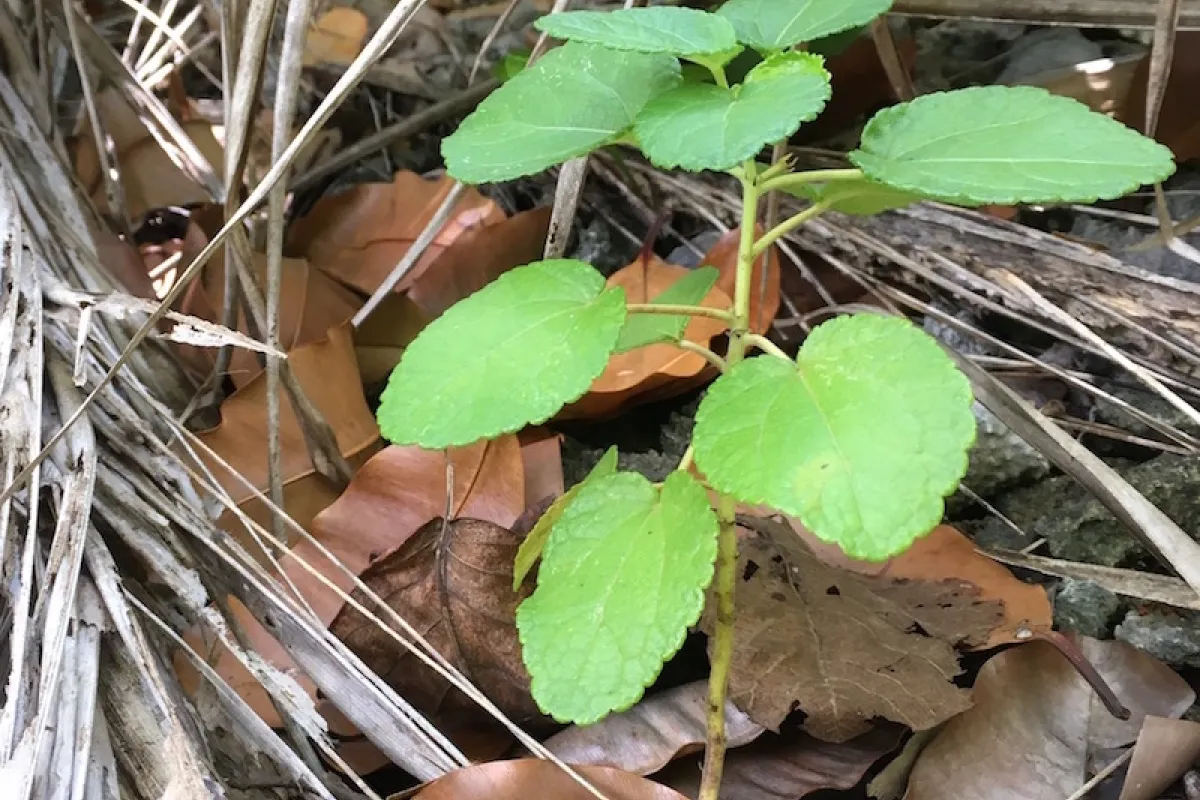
(533, 544)
(997, 144)
(645, 329)
(768, 25)
(861, 197)
(701, 126)
(574, 99)
(861, 439)
(511, 354)
(659, 29)
(621, 580)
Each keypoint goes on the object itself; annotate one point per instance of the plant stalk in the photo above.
(680, 311)
(724, 582)
(793, 179)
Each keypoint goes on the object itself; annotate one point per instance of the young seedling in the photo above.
(861, 436)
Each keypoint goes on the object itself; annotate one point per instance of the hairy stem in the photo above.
(794, 179)
(721, 652)
(680, 311)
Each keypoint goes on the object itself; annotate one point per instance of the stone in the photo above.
(1000, 458)
(1147, 402)
(1172, 637)
(1085, 607)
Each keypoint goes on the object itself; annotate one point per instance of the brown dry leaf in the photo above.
(336, 37)
(541, 453)
(764, 297)
(358, 238)
(653, 733)
(453, 582)
(1165, 749)
(1035, 720)
(946, 557)
(380, 340)
(1103, 85)
(1178, 123)
(148, 176)
(327, 372)
(657, 371)
(529, 778)
(788, 767)
(832, 644)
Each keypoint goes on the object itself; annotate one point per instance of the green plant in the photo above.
(861, 436)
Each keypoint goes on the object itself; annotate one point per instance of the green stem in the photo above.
(793, 179)
(766, 345)
(680, 311)
(701, 350)
(724, 581)
(787, 226)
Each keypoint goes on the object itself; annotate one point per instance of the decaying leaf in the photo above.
(336, 37)
(1165, 749)
(327, 372)
(359, 236)
(657, 371)
(832, 644)
(530, 777)
(789, 766)
(453, 581)
(149, 177)
(1035, 720)
(653, 733)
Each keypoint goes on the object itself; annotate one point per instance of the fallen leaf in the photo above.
(892, 781)
(336, 37)
(452, 580)
(659, 370)
(541, 455)
(1103, 85)
(1035, 720)
(831, 643)
(380, 340)
(764, 291)
(358, 237)
(788, 767)
(653, 733)
(123, 262)
(149, 178)
(1165, 749)
(1178, 124)
(327, 372)
(533, 778)
(945, 557)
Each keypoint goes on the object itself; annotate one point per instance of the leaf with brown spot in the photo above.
(828, 642)
(659, 370)
(653, 733)
(453, 582)
(788, 766)
(529, 778)
(1035, 721)
(358, 238)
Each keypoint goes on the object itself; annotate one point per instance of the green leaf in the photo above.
(860, 198)
(621, 580)
(513, 353)
(646, 329)
(660, 29)
(574, 99)
(699, 126)
(511, 64)
(533, 544)
(768, 25)
(861, 439)
(997, 144)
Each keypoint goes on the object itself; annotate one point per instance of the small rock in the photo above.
(1147, 402)
(1047, 50)
(1000, 458)
(1172, 637)
(1085, 607)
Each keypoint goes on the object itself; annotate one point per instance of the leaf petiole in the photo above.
(701, 350)
(766, 345)
(680, 311)
(793, 179)
(787, 226)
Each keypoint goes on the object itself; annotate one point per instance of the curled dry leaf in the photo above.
(657, 371)
(1035, 721)
(844, 648)
(148, 176)
(453, 582)
(789, 766)
(358, 237)
(336, 37)
(653, 733)
(949, 559)
(1165, 749)
(533, 778)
